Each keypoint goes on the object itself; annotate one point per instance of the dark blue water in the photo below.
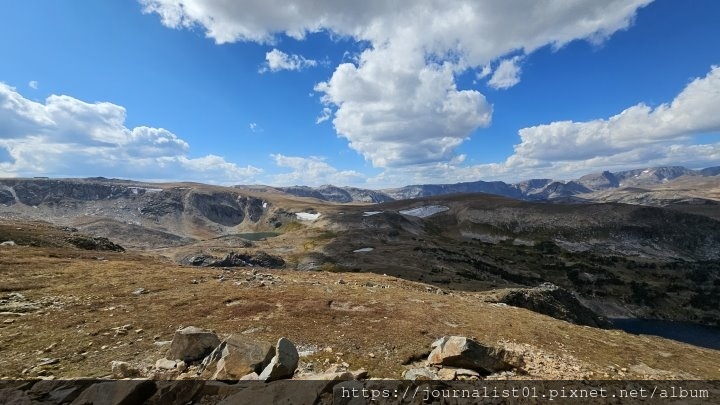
(692, 333)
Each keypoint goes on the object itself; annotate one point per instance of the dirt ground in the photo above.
(66, 312)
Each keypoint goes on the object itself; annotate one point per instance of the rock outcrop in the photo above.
(233, 259)
(191, 344)
(553, 301)
(236, 357)
(94, 243)
(283, 364)
(461, 352)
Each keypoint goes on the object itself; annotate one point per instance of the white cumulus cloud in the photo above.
(70, 137)
(639, 136)
(398, 103)
(277, 60)
(692, 112)
(33, 84)
(311, 171)
(507, 74)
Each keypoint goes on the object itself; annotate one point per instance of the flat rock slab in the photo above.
(461, 352)
(190, 344)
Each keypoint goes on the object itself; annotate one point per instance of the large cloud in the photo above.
(70, 137)
(398, 104)
(692, 112)
(639, 136)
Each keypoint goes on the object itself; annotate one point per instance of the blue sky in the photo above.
(370, 94)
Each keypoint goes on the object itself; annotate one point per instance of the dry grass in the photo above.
(84, 298)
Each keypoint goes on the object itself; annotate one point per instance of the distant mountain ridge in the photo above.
(533, 189)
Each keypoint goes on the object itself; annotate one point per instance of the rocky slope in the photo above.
(70, 313)
(338, 194)
(620, 260)
(140, 215)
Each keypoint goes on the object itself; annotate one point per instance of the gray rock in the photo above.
(122, 369)
(117, 393)
(7, 243)
(165, 364)
(328, 376)
(176, 392)
(221, 388)
(283, 364)
(343, 393)
(57, 392)
(279, 392)
(16, 397)
(466, 373)
(447, 374)
(461, 352)
(140, 291)
(191, 344)
(236, 357)
(420, 374)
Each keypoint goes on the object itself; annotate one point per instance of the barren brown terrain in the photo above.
(84, 309)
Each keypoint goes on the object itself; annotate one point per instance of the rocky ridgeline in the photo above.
(233, 259)
(200, 368)
(551, 300)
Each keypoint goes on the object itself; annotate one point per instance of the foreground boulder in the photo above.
(191, 344)
(283, 364)
(236, 357)
(461, 352)
(122, 369)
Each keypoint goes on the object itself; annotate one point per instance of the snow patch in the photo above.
(368, 249)
(306, 216)
(371, 213)
(424, 212)
(264, 204)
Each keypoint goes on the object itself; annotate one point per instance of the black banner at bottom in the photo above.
(121, 392)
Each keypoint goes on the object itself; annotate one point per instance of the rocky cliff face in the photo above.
(550, 300)
(338, 194)
(51, 192)
(134, 213)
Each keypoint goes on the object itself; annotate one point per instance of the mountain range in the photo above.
(583, 188)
